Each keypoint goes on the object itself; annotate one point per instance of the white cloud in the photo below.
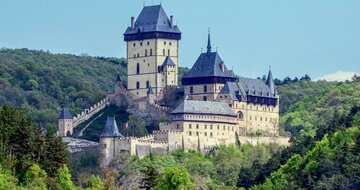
(338, 76)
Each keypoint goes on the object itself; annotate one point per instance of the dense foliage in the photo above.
(216, 169)
(42, 82)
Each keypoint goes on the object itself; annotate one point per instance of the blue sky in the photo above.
(295, 37)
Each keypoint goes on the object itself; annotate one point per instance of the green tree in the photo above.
(7, 181)
(95, 183)
(63, 179)
(174, 178)
(36, 178)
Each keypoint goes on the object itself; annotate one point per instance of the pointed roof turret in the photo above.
(118, 78)
(111, 128)
(270, 83)
(65, 114)
(209, 43)
(168, 61)
(150, 90)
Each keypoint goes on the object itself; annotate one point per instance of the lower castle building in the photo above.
(194, 125)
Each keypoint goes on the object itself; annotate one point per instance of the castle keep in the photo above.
(152, 51)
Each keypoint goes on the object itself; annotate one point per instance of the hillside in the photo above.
(43, 82)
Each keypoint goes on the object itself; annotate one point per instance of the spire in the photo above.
(270, 82)
(111, 128)
(209, 44)
(150, 90)
(118, 79)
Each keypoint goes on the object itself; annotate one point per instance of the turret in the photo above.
(65, 123)
(151, 95)
(270, 83)
(107, 141)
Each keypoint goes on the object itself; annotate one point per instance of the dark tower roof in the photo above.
(118, 79)
(111, 128)
(208, 67)
(168, 61)
(270, 83)
(152, 23)
(65, 114)
(150, 90)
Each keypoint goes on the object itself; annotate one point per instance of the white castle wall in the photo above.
(88, 113)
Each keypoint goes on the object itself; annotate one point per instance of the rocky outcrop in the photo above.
(78, 145)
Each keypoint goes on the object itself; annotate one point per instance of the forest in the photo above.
(322, 117)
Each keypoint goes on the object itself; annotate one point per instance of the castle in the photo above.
(218, 108)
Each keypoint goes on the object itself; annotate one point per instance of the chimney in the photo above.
(171, 21)
(132, 23)
(222, 66)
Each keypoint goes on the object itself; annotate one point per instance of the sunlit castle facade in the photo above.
(152, 51)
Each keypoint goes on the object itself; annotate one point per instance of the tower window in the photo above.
(138, 55)
(164, 52)
(168, 52)
(137, 68)
(148, 43)
(170, 43)
(140, 43)
(189, 126)
(150, 52)
(137, 85)
(197, 126)
(134, 44)
(134, 55)
(146, 52)
(191, 90)
(164, 43)
(205, 98)
(147, 84)
(205, 88)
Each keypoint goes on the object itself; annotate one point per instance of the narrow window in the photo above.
(137, 85)
(150, 52)
(146, 52)
(137, 68)
(147, 84)
(148, 43)
(197, 133)
(197, 126)
(140, 43)
(164, 43)
(169, 43)
(138, 55)
(177, 126)
(164, 52)
(205, 126)
(189, 126)
(205, 133)
(205, 88)
(189, 133)
(205, 98)
(168, 52)
(211, 134)
(211, 127)
(134, 44)
(191, 89)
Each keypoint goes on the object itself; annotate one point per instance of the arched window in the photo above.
(137, 68)
(240, 115)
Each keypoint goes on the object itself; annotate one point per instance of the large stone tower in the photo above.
(152, 51)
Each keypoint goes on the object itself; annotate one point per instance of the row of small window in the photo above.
(151, 53)
(148, 43)
(205, 89)
(211, 127)
(205, 133)
(261, 118)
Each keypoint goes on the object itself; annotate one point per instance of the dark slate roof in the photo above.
(168, 61)
(232, 88)
(150, 90)
(204, 107)
(118, 79)
(209, 65)
(65, 114)
(111, 128)
(152, 19)
(270, 83)
(255, 87)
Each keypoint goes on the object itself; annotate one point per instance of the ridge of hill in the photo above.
(42, 82)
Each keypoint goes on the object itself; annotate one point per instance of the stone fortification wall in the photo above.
(264, 140)
(88, 113)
